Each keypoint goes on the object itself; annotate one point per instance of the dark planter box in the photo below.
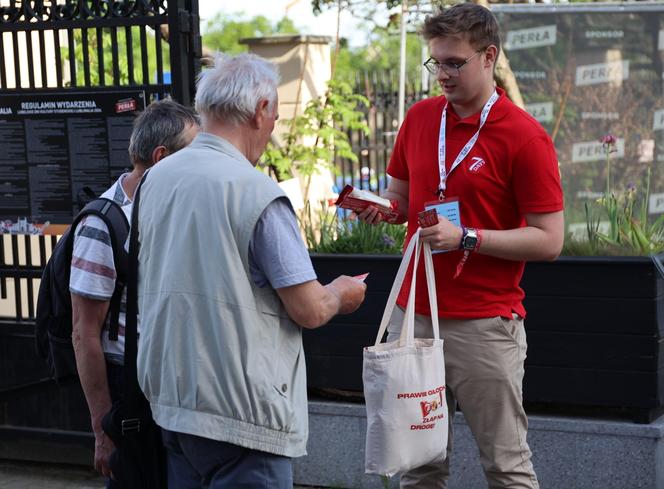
(594, 327)
(334, 352)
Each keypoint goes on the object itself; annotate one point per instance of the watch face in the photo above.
(470, 240)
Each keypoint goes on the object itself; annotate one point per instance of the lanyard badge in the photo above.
(465, 150)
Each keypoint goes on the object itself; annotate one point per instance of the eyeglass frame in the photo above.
(437, 65)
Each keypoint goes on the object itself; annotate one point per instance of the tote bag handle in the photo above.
(408, 326)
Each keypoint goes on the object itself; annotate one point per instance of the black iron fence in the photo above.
(61, 52)
(374, 150)
(153, 45)
(92, 46)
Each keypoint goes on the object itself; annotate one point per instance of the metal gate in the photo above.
(72, 47)
(76, 37)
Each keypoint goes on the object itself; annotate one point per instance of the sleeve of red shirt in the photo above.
(536, 177)
(398, 166)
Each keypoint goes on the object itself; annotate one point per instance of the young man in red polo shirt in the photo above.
(492, 170)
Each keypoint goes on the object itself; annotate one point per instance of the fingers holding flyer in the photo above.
(370, 215)
(369, 207)
(350, 292)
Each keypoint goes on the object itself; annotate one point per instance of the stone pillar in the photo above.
(304, 63)
(305, 68)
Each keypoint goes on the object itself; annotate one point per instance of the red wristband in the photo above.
(461, 263)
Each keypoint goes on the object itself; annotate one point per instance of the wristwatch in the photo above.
(469, 239)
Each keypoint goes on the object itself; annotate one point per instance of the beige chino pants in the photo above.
(484, 373)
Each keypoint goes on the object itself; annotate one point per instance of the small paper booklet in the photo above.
(357, 200)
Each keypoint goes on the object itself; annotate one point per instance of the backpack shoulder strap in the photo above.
(133, 393)
(118, 228)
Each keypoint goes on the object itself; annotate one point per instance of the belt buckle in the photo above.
(132, 424)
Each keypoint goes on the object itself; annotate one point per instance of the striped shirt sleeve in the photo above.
(92, 267)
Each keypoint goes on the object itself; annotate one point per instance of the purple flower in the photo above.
(609, 140)
(631, 187)
(388, 240)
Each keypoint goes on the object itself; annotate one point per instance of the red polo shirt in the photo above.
(512, 170)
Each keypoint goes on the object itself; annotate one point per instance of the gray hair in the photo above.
(162, 123)
(231, 90)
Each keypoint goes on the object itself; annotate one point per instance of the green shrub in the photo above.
(325, 232)
(629, 230)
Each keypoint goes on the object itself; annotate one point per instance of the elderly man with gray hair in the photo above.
(225, 287)
(161, 129)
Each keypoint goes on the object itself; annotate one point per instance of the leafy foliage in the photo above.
(319, 5)
(107, 47)
(223, 32)
(629, 231)
(380, 55)
(328, 233)
(319, 134)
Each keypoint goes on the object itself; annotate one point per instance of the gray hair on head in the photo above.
(162, 123)
(231, 90)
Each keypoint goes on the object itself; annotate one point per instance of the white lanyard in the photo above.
(465, 150)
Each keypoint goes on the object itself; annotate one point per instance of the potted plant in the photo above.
(595, 323)
(596, 315)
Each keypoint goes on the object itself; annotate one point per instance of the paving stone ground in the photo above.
(30, 475)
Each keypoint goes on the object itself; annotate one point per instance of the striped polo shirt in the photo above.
(93, 268)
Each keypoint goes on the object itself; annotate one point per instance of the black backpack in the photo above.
(53, 321)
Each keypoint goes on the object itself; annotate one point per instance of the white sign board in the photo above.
(613, 71)
(656, 204)
(594, 151)
(542, 112)
(531, 38)
(658, 120)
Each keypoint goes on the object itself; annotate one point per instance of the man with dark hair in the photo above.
(493, 166)
(161, 129)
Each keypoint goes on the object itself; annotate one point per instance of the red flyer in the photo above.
(357, 200)
(428, 218)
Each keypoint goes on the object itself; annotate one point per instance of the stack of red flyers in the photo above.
(357, 200)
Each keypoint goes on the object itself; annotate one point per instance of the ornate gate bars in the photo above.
(46, 45)
(74, 46)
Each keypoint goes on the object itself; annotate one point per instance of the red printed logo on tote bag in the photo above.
(428, 407)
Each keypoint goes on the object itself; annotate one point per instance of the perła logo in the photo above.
(476, 164)
(541, 112)
(613, 71)
(531, 38)
(594, 151)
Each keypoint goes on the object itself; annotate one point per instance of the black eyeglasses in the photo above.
(451, 69)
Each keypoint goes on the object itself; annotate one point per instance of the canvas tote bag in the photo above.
(404, 384)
